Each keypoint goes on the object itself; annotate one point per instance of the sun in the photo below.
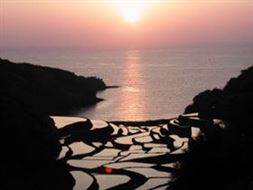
(131, 15)
(131, 10)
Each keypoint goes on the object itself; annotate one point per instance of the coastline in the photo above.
(169, 150)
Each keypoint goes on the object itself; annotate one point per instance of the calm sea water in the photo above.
(153, 83)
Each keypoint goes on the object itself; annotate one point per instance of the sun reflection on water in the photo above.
(134, 87)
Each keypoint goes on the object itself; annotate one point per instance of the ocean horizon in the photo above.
(153, 83)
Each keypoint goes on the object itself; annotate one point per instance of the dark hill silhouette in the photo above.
(30, 142)
(29, 149)
(222, 158)
(50, 90)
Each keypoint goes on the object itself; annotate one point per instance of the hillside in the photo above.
(49, 90)
(221, 158)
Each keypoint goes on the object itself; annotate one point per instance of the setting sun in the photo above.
(131, 10)
(131, 15)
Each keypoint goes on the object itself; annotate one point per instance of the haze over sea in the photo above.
(154, 83)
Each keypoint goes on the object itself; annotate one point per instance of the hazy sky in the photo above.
(107, 23)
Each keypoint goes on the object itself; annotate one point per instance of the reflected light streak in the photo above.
(132, 98)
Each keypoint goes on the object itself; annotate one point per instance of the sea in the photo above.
(153, 83)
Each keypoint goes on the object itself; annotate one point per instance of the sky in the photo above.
(124, 23)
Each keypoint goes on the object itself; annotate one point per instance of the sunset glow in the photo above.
(131, 10)
(124, 23)
(131, 15)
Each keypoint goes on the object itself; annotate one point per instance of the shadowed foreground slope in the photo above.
(29, 150)
(29, 142)
(222, 158)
